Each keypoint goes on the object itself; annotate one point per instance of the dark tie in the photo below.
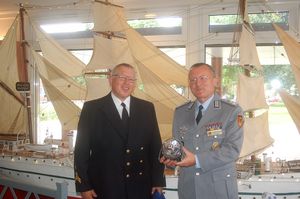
(124, 114)
(198, 118)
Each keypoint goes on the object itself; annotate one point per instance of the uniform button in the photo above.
(228, 175)
(127, 176)
(215, 136)
(197, 135)
(197, 148)
(128, 163)
(142, 148)
(140, 173)
(141, 161)
(127, 150)
(197, 173)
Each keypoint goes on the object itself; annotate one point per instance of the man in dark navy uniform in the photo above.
(118, 143)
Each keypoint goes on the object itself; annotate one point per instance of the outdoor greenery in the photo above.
(269, 17)
(47, 113)
(283, 73)
(156, 22)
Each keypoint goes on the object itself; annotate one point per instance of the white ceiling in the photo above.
(54, 11)
(9, 8)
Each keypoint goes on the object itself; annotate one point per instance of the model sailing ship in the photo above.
(251, 97)
(274, 180)
(121, 44)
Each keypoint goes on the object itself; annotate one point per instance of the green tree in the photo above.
(229, 80)
(283, 73)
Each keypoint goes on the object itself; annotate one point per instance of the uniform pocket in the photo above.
(225, 184)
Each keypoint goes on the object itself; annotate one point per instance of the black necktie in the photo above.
(198, 118)
(124, 114)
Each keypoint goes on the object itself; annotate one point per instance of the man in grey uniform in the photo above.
(211, 130)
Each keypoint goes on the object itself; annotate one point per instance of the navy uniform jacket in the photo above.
(115, 166)
(216, 141)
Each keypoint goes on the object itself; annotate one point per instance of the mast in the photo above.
(23, 70)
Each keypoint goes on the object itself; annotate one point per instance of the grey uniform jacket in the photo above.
(216, 141)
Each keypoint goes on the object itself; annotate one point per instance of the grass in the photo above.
(278, 114)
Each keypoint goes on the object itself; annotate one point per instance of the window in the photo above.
(176, 53)
(159, 26)
(259, 21)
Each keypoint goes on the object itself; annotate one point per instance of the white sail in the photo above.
(107, 53)
(108, 17)
(293, 105)
(155, 70)
(61, 81)
(14, 121)
(292, 48)
(59, 56)
(141, 49)
(67, 112)
(155, 60)
(255, 139)
(250, 91)
(248, 53)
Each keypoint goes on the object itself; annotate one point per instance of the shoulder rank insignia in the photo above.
(217, 104)
(240, 120)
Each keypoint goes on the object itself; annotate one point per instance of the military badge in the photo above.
(240, 120)
(214, 129)
(215, 146)
(182, 131)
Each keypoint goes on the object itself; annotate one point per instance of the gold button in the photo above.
(141, 161)
(140, 173)
(127, 150)
(127, 176)
(128, 163)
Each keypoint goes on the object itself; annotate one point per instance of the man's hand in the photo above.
(188, 160)
(167, 162)
(89, 194)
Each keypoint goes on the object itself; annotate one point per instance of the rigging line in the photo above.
(11, 92)
(200, 6)
(164, 99)
(54, 6)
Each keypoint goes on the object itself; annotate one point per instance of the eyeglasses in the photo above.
(124, 78)
(202, 78)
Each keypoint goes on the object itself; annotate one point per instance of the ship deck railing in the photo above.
(11, 187)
